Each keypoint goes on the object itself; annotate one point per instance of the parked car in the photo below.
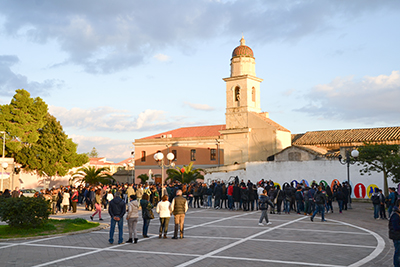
(28, 192)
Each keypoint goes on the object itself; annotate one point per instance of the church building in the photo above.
(248, 135)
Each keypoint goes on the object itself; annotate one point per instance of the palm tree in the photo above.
(143, 177)
(92, 175)
(186, 174)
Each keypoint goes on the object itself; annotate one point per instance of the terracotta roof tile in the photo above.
(347, 136)
(197, 131)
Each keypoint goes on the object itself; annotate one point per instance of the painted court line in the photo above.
(30, 242)
(212, 253)
(114, 247)
(378, 250)
(313, 243)
(326, 231)
(277, 261)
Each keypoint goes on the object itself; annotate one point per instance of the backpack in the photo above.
(319, 199)
(375, 199)
(299, 195)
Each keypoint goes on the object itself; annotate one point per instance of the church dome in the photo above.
(242, 50)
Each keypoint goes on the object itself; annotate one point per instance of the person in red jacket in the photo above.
(74, 199)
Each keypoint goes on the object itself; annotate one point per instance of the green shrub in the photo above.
(24, 212)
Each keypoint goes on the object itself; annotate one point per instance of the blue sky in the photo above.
(115, 71)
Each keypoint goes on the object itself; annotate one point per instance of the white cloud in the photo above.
(110, 119)
(109, 36)
(114, 150)
(10, 81)
(370, 100)
(199, 106)
(162, 57)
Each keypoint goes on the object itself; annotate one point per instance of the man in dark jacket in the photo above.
(117, 209)
(320, 200)
(217, 195)
(394, 233)
(264, 201)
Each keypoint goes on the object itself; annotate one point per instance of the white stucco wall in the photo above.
(327, 170)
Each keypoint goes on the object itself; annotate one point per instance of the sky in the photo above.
(115, 71)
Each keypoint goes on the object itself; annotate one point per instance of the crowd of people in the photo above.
(176, 198)
(236, 195)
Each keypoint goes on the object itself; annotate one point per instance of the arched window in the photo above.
(237, 93)
(253, 94)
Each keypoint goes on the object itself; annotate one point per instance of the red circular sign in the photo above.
(360, 191)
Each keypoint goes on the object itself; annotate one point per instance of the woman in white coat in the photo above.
(165, 214)
(65, 201)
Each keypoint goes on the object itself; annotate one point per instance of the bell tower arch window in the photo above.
(237, 93)
(253, 94)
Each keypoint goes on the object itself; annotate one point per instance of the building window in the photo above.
(237, 93)
(213, 154)
(175, 154)
(143, 157)
(193, 155)
(253, 94)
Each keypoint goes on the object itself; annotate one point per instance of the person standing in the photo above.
(394, 233)
(375, 197)
(179, 207)
(163, 208)
(320, 201)
(382, 211)
(74, 199)
(264, 201)
(230, 196)
(146, 207)
(117, 210)
(65, 201)
(15, 193)
(97, 205)
(391, 200)
(139, 193)
(132, 218)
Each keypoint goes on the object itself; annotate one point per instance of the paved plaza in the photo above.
(220, 238)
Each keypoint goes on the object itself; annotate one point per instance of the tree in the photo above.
(53, 154)
(380, 158)
(186, 174)
(21, 120)
(93, 153)
(92, 175)
(143, 177)
(37, 140)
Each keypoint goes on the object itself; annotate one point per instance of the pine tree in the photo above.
(36, 139)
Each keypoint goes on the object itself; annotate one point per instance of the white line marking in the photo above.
(103, 249)
(312, 243)
(326, 231)
(236, 243)
(30, 242)
(276, 261)
(378, 250)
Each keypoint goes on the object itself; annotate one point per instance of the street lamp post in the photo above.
(133, 164)
(159, 158)
(347, 161)
(4, 164)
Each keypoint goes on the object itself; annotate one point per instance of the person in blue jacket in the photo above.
(394, 233)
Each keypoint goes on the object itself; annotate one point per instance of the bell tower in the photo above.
(242, 88)
(250, 134)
